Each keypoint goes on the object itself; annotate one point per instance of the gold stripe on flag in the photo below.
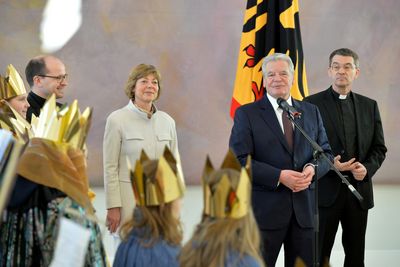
(269, 26)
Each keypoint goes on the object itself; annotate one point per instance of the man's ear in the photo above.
(37, 80)
(357, 73)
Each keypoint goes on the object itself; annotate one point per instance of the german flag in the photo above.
(270, 26)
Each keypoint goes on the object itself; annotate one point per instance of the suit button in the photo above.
(342, 152)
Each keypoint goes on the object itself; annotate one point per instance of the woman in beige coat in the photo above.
(139, 125)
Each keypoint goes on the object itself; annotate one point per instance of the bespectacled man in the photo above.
(46, 75)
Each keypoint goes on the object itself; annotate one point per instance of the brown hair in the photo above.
(140, 71)
(215, 238)
(36, 66)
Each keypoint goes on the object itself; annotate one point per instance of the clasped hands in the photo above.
(297, 181)
(356, 168)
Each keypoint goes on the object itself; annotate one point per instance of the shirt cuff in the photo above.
(309, 164)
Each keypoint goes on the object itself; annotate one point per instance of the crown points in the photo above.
(154, 187)
(231, 162)
(12, 85)
(65, 125)
(226, 191)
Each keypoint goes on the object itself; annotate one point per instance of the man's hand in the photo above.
(296, 181)
(344, 166)
(359, 172)
(113, 219)
(309, 172)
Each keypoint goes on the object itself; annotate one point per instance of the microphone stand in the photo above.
(317, 154)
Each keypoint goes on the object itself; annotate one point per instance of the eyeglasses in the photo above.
(59, 78)
(346, 67)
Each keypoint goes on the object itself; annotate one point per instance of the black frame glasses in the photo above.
(59, 78)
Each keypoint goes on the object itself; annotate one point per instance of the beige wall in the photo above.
(195, 45)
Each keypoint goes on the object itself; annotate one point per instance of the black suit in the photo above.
(35, 105)
(335, 200)
(282, 216)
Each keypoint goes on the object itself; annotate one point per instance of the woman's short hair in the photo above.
(138, 72)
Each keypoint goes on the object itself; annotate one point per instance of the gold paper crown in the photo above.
(11, 85)
(222, 198)
(65, 125)
(162, 186)
(55, 157)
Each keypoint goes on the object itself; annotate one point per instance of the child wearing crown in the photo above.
(228, 234)
(14, 104)
(153, 236)
(51, 183)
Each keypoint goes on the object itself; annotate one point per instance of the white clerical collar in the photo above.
(274, 104)
(342, 96)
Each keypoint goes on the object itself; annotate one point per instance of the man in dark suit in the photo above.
(354, 130)
(46, 75)
(283, 200)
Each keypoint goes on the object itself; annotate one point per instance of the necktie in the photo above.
(288, 130)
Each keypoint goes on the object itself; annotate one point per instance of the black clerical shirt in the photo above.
(347, 118)
(36, 103)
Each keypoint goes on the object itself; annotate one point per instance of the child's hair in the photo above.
(156, 222)
(215, 238)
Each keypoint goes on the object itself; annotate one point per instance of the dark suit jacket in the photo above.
(370, 143)
(36, 103)
(256, 132)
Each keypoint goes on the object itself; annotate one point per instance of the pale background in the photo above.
(195, 45)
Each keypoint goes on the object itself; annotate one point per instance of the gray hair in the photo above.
(277, 57)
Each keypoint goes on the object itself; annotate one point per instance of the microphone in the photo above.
(288, 108)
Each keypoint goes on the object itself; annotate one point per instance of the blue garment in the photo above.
(233, 260)
(27, 194)
(132, 253)
(257, 132)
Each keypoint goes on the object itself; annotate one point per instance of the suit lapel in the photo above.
(268, 114)
(300, 121)
(358, 113)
